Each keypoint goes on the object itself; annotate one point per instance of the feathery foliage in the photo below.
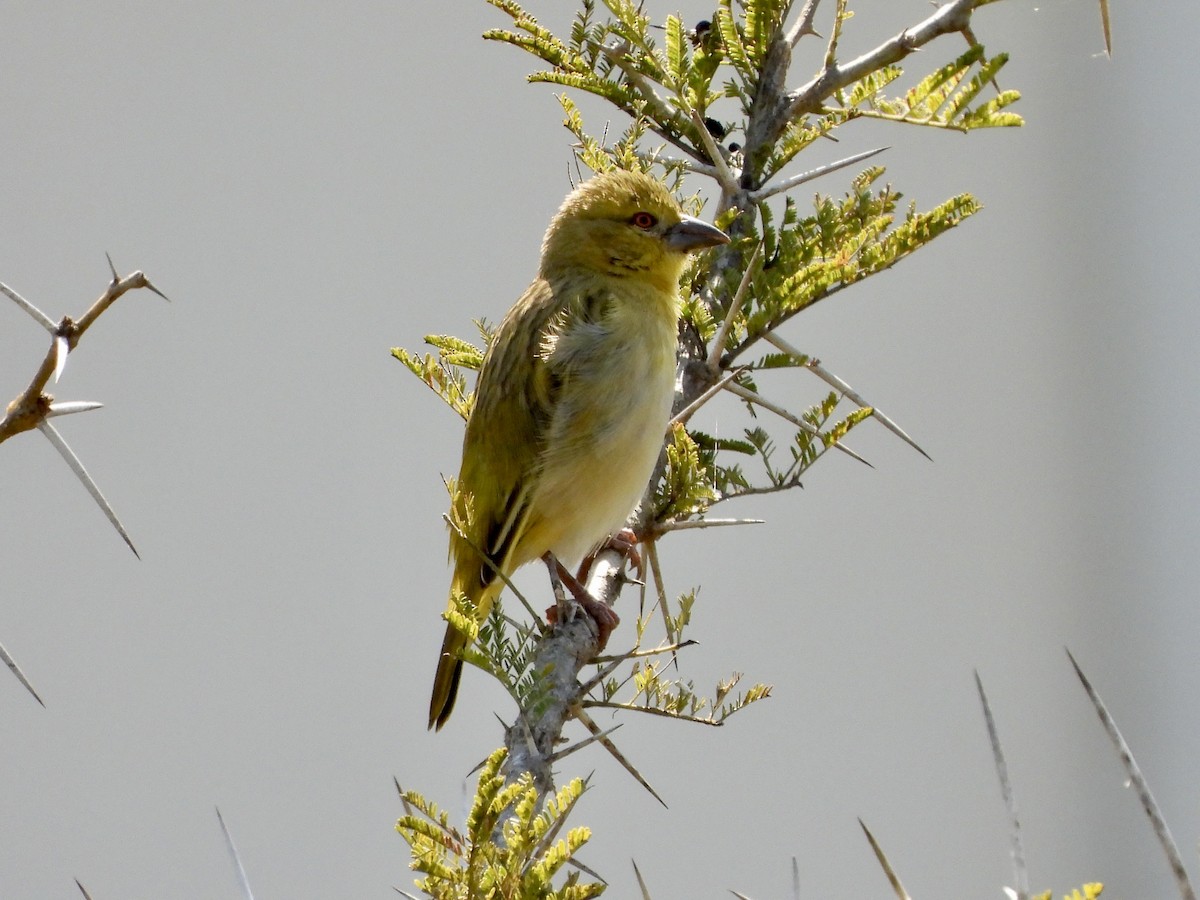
(458, 865)
(1089, 891)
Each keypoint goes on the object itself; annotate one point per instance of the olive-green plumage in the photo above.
(574, 394)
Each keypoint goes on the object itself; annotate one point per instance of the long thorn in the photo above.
(68, 407)
(62, 349)
(725, 177)
(681, 417)
(243, 882)
(892, 877)
(152, 289)
(16, 670)
(814, 365)
(796, 180)
(616, 754)
(42, 319)
(1020, 870)
(579, 745)
(81, 473)
(735, 307)
(641, 881)
(747, 394)
(1138, 781)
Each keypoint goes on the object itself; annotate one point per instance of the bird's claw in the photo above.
(623, 542)
(603, 615)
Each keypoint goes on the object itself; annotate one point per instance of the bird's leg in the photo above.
(625, 543)
(556, 585)
(600, 613)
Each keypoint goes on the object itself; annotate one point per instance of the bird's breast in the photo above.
(608, 427)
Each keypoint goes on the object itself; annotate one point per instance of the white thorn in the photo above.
(72, 406)
(61, 350)
(16, 670)
(68, 454)
(243, 882)
(42, 318)
(796, 180)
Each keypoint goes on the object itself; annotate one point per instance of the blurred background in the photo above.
(312, 184)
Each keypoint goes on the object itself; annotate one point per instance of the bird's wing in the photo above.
(505, 431)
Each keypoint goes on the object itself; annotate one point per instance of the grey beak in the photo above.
(693, 234)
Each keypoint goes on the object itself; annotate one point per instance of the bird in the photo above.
(572, 399)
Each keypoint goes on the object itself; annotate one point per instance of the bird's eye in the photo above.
(644, 220)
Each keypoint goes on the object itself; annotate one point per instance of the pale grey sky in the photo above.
(313, 184)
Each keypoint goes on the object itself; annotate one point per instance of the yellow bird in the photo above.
(573, 397)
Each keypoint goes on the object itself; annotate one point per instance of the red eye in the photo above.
(644, 220)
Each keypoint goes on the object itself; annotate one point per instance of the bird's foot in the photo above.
(625, 543)
(600, 613)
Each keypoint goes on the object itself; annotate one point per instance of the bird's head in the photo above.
(624, 224)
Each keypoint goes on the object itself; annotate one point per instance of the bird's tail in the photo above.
(445, 680)
(468, 599)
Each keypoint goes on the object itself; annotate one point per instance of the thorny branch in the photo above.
(569, 646)
(33, 407)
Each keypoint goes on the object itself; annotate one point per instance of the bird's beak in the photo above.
(693, 234)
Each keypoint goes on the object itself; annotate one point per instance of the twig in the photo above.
(663, 113)
(668, 162)
(804, 24)
(33, 407)
(639, 654)
(785, 485)
(725, 178)
(950, 18)
(687, 524)
(653, 711)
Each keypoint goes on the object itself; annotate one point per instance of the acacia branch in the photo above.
(568, 646)
(33, 407)
(952, 18)
(775, 107)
